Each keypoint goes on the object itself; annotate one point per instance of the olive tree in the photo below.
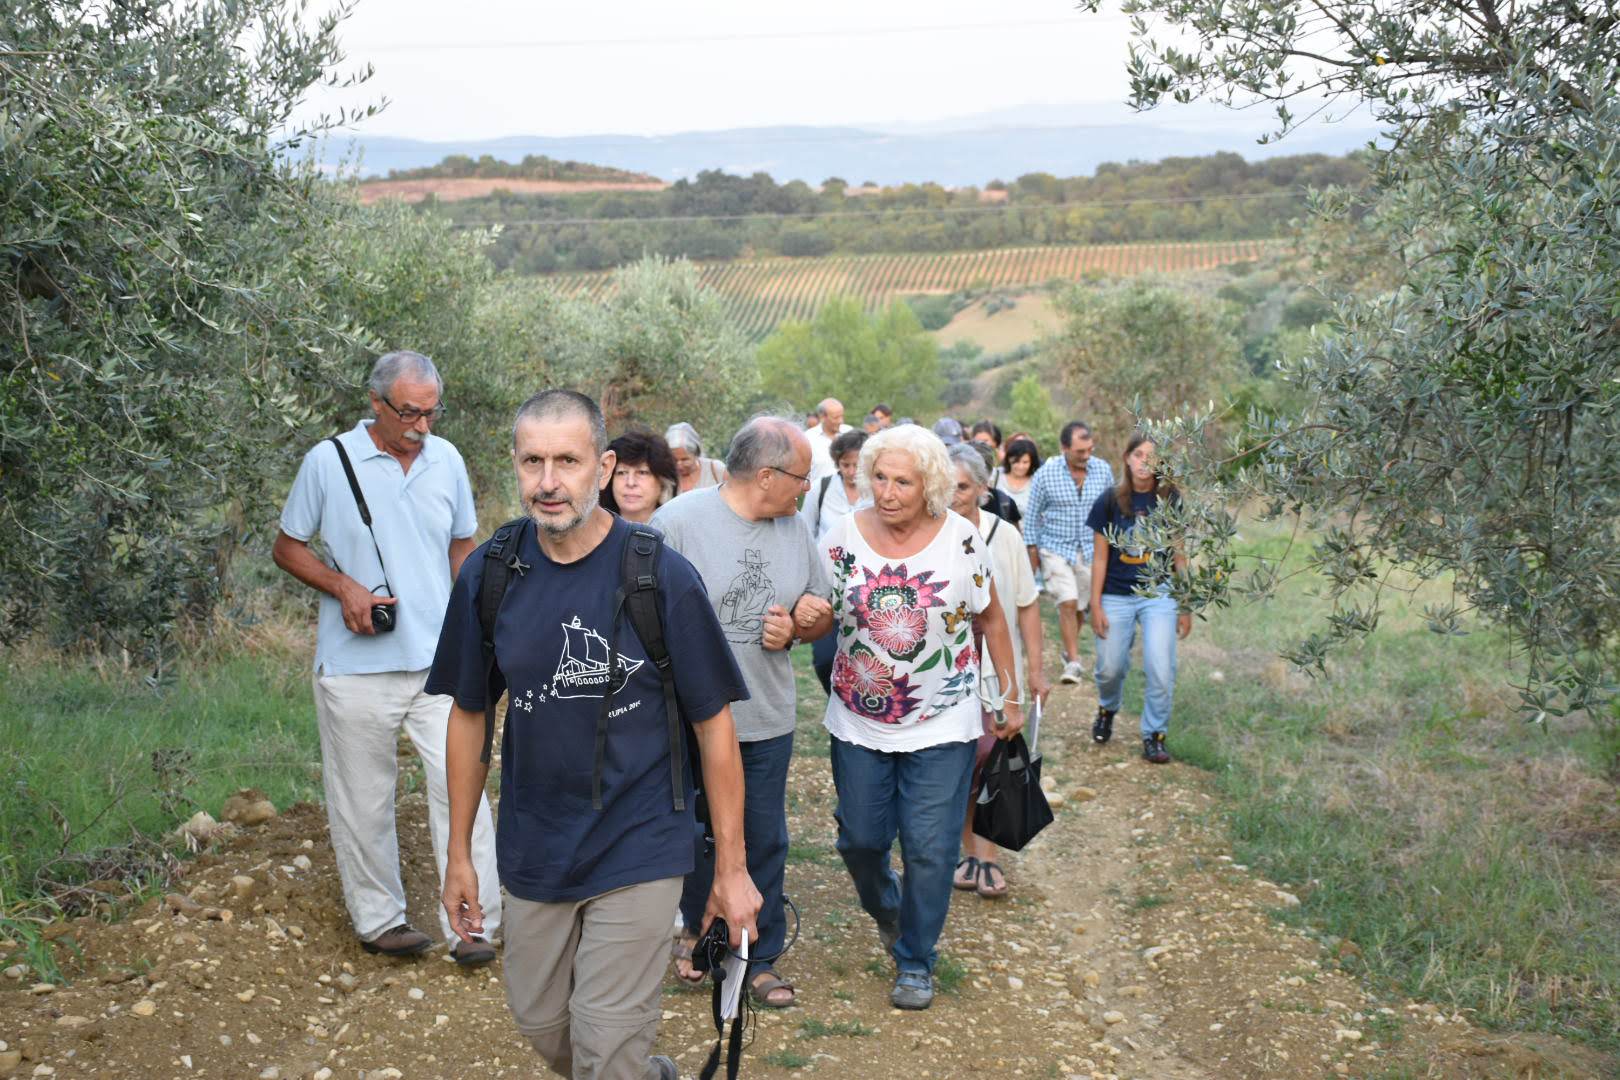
(1463, 421)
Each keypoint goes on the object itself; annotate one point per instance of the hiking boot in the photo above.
(1074, 672)
(1154, 750)
(402, 940)
(1102, 728)
(666, 1067)
(913, 990)
(472, 954)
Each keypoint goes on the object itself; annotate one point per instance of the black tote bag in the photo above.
(1012, 808)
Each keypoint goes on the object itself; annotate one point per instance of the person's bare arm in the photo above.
(295, 557)
(733, 896)
(459, 550)
(998, 642)
(1029, 628)
(465, 776)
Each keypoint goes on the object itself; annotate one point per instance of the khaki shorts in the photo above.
(1065, 581)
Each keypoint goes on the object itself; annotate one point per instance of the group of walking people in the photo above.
(639, 618)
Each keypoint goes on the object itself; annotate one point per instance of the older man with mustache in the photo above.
(370, 675)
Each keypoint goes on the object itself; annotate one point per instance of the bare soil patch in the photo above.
(1131, 945)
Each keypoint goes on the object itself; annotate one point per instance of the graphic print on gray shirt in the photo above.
(747, 566)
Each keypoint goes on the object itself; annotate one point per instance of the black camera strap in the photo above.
(365, 511)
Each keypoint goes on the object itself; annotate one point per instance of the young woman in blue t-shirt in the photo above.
(1117, 609)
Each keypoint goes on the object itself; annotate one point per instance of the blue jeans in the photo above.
(765, 835)
(921, 796)
(1157, 617)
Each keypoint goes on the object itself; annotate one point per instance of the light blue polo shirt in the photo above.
(415, 516)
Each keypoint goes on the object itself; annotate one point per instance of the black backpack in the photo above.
(637, 595)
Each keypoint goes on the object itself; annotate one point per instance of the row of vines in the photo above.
(761, 294)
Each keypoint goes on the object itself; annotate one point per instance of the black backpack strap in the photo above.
(993, 527)
(500, 563)
(640, 591)
(821, 499)
(360, 502)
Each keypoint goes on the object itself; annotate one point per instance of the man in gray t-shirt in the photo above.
(758, 563)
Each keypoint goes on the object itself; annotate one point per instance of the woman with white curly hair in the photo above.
(912, 580)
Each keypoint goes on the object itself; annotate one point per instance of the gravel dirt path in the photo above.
(1130, 945)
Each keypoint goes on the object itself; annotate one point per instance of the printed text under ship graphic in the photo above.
(583, 670)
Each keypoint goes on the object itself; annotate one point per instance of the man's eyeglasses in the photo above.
(805, 480)
(411, 416)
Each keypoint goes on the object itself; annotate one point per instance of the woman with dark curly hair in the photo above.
(643, 478)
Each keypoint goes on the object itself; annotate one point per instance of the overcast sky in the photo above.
(479, 68)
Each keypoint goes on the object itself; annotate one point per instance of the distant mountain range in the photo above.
(1065, 140)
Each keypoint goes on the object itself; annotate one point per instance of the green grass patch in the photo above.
(814, 854)
(787, 1059)
(93, 761)
(811, 1028)
(1471, 856)
(949, 973)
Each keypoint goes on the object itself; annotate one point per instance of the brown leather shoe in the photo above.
(402, 940)
(472, 954)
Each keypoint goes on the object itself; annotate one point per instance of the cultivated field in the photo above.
(760, 294)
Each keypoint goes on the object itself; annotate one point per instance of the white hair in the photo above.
(391, 367)
(927, 454)
(966, 456)
(683, 436)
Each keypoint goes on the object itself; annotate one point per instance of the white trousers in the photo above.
(360, 717)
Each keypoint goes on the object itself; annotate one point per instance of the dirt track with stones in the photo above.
(1130, 945)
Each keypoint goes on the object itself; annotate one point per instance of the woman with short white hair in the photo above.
(911, 580)
(692, 469)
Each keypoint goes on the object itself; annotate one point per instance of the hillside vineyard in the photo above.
(761, 294)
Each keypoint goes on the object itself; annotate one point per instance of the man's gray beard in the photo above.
(557, 532)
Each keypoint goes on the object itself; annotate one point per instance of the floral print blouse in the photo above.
(906, 674)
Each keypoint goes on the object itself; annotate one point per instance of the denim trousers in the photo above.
(765, 835)
(1157, 617)
(921, 797)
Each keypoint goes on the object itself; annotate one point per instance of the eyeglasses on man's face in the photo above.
(803, 480)
(411, 416)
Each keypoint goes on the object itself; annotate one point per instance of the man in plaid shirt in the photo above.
(1060, 499)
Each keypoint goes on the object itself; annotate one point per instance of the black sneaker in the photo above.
(1153, 749)
(1102, 728)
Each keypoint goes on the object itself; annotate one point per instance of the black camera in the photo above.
(711, 949)
(382, 618)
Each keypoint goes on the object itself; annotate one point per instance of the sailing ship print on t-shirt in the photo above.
(583, 669)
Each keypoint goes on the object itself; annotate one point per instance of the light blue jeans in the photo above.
(1157, 617)
(919, 796)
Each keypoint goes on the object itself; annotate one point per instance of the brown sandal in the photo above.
(767, 982)
(681, 949)
(986, 889)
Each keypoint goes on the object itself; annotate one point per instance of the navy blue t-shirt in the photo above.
(551, 653)
(1125, 563)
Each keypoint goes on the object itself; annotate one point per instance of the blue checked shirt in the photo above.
(1056, 518)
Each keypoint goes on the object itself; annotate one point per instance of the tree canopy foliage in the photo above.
(859, 359)
(1145, 346)
(184, 310)
(1461, 416)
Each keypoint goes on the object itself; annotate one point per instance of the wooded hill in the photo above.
(718, 216)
